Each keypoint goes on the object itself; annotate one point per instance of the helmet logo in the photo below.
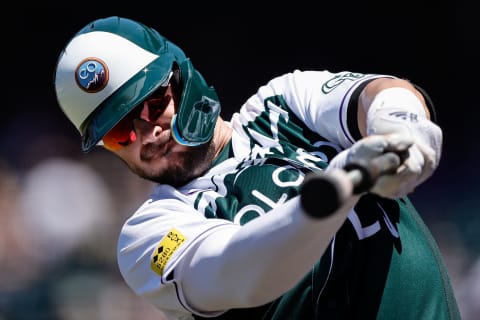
(91, 75)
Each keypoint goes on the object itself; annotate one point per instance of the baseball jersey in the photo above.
(381, 264)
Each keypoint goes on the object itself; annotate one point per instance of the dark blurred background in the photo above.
(57, 264)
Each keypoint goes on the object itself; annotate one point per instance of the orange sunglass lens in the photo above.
(121, 135)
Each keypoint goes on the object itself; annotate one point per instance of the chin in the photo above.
(181, 164)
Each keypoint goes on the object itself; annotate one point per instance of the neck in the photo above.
(222, 135)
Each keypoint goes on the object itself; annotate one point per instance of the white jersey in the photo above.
(296, 122)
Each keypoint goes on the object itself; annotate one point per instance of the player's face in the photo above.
(153, 154)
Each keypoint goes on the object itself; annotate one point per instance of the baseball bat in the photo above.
(334, 189)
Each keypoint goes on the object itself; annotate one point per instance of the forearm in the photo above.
(261, 260)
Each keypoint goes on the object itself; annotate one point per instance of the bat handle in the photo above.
(335, 187)
(364, 174)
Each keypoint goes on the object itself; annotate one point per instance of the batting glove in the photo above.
(398, 111)
(369, 148)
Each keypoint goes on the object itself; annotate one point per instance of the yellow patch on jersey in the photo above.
(165, 249)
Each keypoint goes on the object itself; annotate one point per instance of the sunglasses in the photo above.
(149, 110)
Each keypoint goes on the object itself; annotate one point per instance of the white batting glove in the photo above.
(369, 148)
(399, 111)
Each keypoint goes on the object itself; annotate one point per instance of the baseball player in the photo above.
(277, 213)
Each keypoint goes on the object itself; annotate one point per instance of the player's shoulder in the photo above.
(300, 79)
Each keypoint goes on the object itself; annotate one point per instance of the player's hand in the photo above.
(370, 148)
(423, 154)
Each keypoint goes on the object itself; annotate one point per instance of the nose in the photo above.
(147, 132)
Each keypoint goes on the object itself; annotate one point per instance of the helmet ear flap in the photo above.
(198, 109)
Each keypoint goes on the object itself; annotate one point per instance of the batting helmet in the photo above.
(113, 64)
